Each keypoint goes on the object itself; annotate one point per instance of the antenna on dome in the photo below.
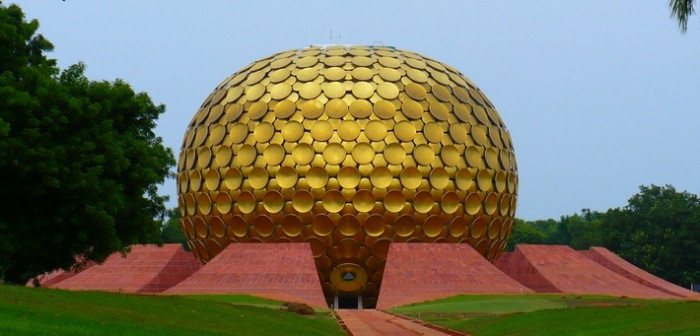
(331, 37)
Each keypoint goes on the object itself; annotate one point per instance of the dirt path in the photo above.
(368, 322)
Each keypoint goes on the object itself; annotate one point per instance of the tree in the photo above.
(525, 233)
(79, 161)
(659, 231)
(171, 232)
(682, 10)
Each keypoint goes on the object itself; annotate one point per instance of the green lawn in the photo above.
(38, 311)
(538, 314)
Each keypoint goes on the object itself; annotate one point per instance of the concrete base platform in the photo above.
(613, 262)
(560, 269)
(146, 269)
(280, 271)
(416, 272)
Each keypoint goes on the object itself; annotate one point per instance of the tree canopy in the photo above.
(682, 10)
(79, 161)
(658, 230)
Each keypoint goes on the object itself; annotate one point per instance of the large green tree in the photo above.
(79, 161)
(659, 231)
(682, 10)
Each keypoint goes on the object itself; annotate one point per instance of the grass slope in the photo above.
(36, 311)
(538, 314)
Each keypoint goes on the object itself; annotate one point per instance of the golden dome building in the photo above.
(348, 148)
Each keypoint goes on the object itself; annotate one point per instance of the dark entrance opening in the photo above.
(347, 302)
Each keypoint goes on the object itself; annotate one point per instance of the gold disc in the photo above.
(363, 153)
(303, 201)
(317, 177)
(384, 109)
(303, 154)
(361, 108)
(394, 201)
(424, 155)
(387, 90)
(363, 200)
(286, 177)
(394, 153)
(375, 130)
(404, 130)
(273, 154)
(433, 132)
(333, 201)
(336, 108)
(285, 109)
(410, 177)
(380, 177)
(321, 130)
(334, 153)
(423, 201)
(362, 90)
(348, 177)
(348, 130)
(257, 178)
(292, 131)
(273, 201)
(312, 109)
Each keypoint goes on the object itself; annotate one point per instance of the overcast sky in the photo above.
(600, 97)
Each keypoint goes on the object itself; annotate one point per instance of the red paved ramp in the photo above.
(560, 269)
(146, 269)
(370, 322)
(280, 271)
(49, 279)
(417, 272)
(613, 262)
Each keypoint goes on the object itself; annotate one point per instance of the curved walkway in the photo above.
(368, 322)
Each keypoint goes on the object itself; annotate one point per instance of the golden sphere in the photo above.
(348, 148)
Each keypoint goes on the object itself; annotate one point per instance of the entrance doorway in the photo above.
(348, 302)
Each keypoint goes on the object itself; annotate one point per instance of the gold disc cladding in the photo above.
(307, 75)
(348, 149)
(286, 177)
(334, 90)
(384, 109)
(363, 200)
(415, 91)
(334, 74)
(362, 74)
(380, 177)
(394, 153)
(303, 154)
(263, 132)
(348, 177)
(410, 178)
(387, 90)
(336, 108)
(303, 201)
(361, 108)
(317, 177)
(433, 132)
(334, 153)
(322, 130)
(423, 154)
(375, 130)
(312, 109)
(363, 153)
(285, 109)
(405, 131)
(412, 109)
(348, 130)
(292, 131)
(363, 90)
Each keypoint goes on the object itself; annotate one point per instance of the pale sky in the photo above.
(600, 97)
